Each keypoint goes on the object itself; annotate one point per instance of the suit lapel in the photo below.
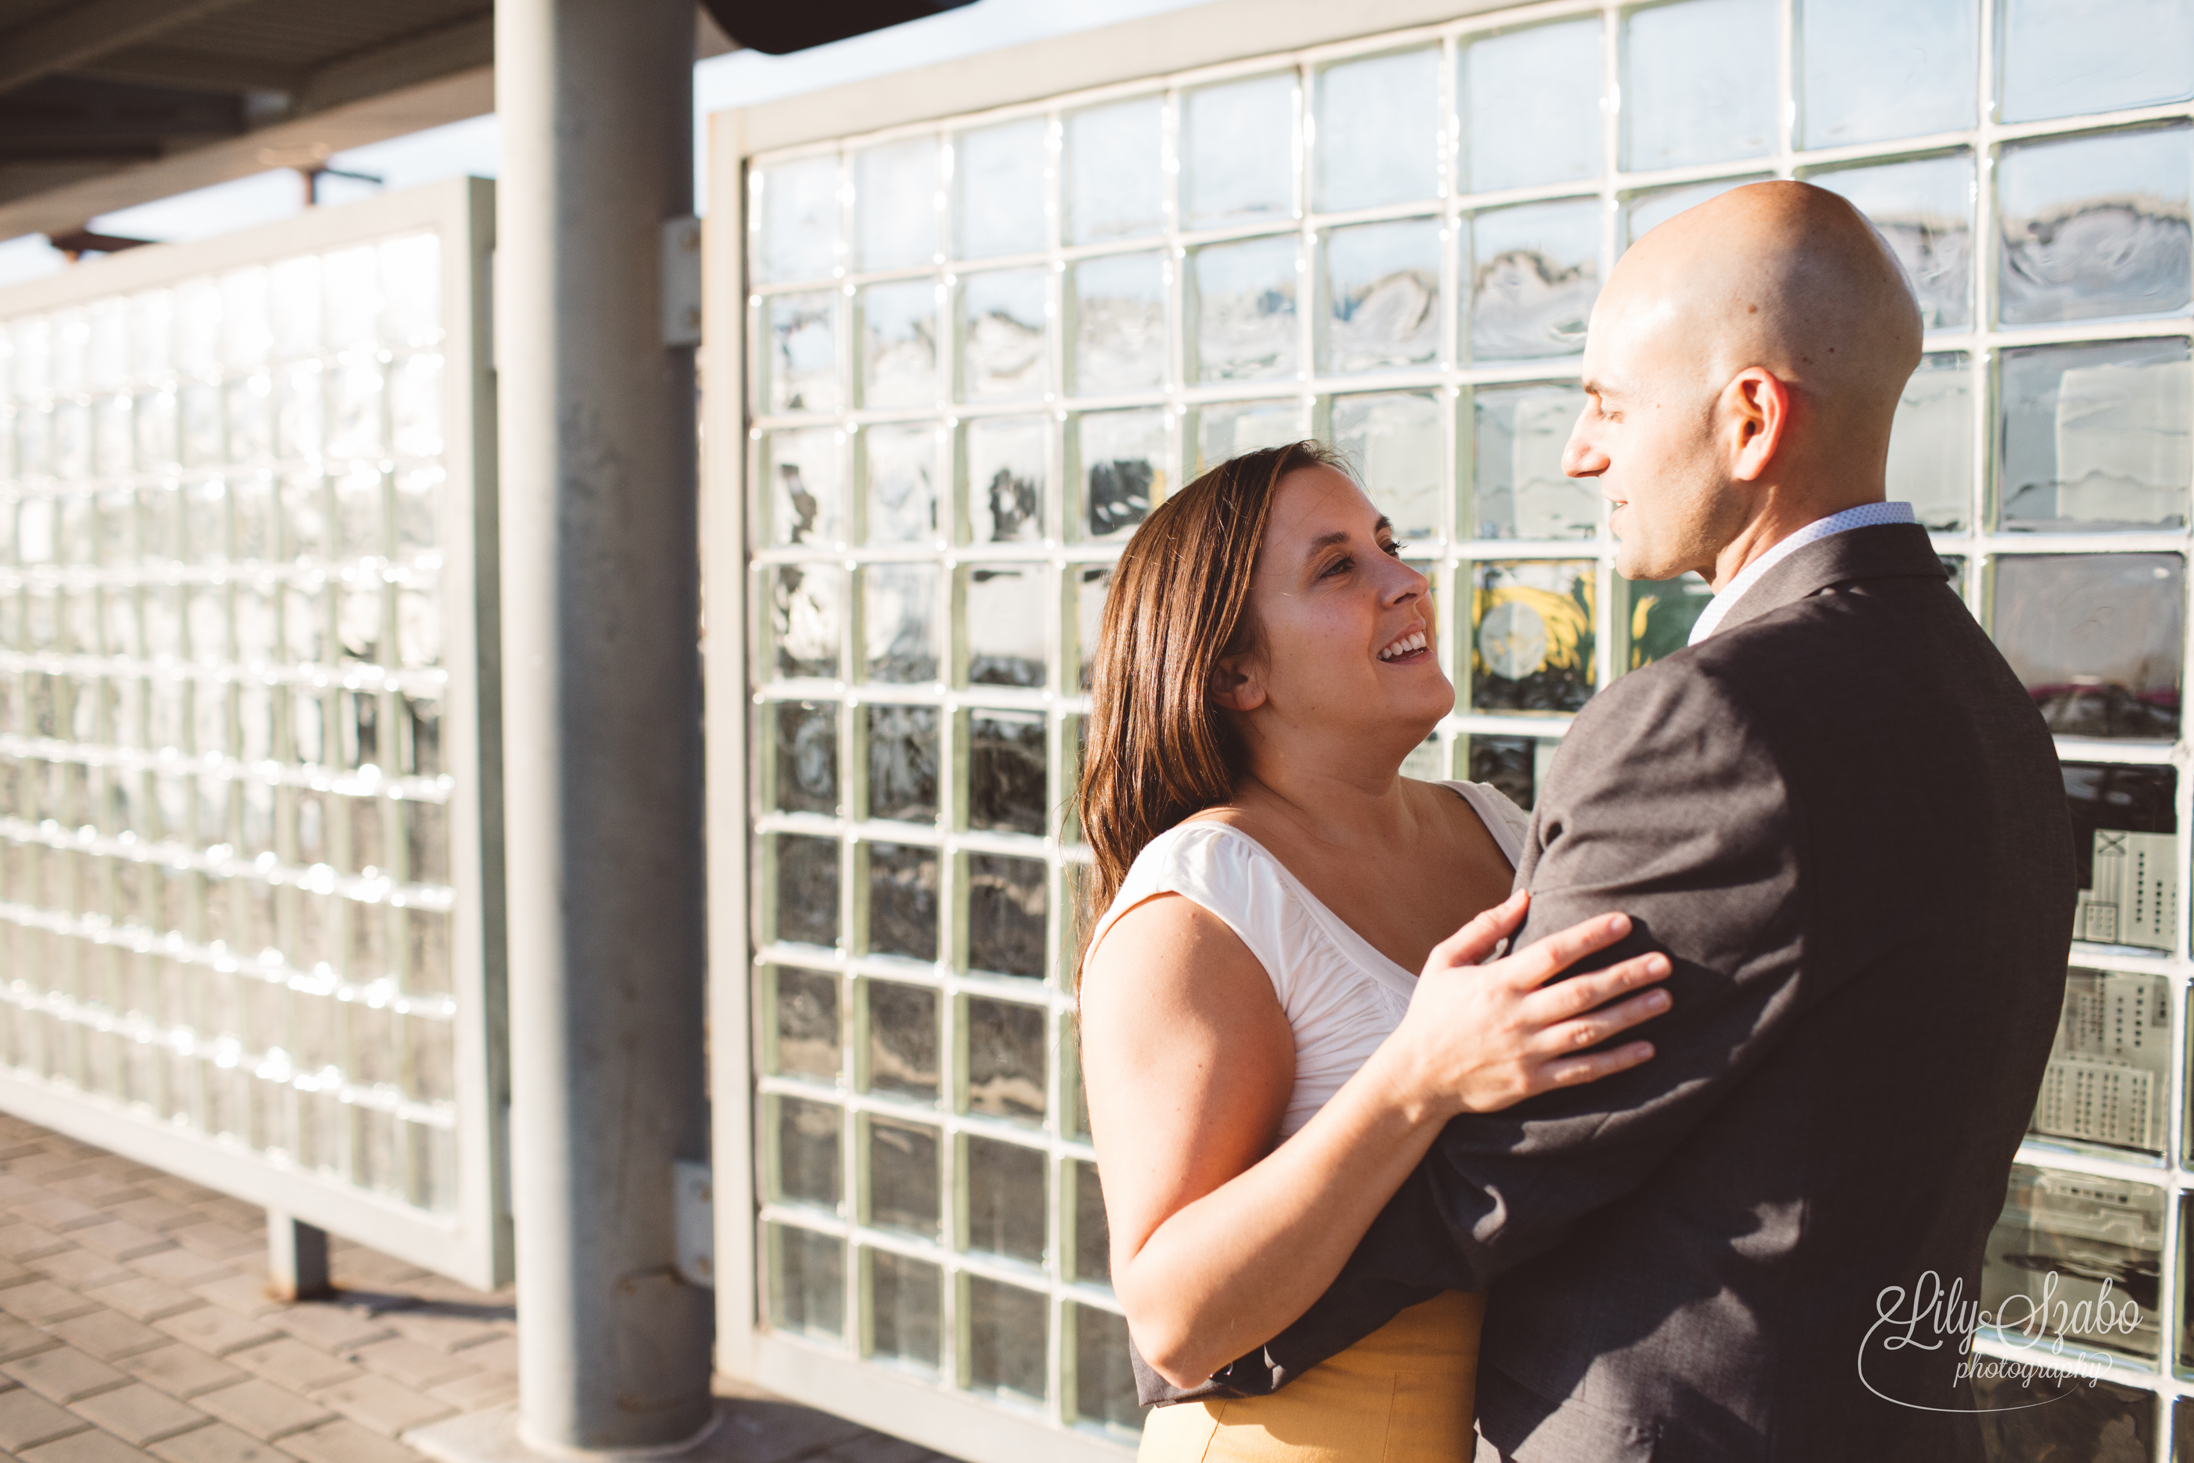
(1881, 551)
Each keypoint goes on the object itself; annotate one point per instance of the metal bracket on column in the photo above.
(681, 281)
(694, 1217)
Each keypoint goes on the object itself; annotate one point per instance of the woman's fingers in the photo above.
(1541, 960)
(1478, 939)
(1571, 1071)
(1608, 1021)
(1582, 993)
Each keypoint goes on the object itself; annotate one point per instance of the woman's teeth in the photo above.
(1404, 646)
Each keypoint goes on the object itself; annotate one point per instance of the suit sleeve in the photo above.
(1665, 803)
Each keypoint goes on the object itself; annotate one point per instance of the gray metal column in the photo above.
(297, 1258)
(602, 718)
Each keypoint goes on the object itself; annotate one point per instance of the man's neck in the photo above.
(1775, 522)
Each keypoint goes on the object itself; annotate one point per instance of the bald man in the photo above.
(1841, 816)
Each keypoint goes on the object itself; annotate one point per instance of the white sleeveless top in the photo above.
(1342, 997)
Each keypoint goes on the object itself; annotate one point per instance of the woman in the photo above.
(1263, 1069)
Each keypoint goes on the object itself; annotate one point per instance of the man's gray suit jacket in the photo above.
(1843, 819)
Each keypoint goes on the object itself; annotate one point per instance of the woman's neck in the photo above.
(1342, 800)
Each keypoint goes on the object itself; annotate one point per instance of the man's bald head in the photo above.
(1745, 362)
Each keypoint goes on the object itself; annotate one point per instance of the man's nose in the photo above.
(1581, 457)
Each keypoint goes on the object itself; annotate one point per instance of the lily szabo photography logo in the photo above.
(2041, 1325)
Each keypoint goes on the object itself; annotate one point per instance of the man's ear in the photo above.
(1758, 405)
(1235, 685)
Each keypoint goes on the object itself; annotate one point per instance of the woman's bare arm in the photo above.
(1220, 1239)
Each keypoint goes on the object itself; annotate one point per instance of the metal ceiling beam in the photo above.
(407, 62)
(78, 33)
(189, 70)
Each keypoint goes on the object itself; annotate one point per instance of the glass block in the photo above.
(1120, 459)
(1092, 1232)
(1008, 461)
(1518, 488)
(1662, 613)
(807, 1274)
(113, 436)
(415, 407)
(896, 197)
(2095, 228)
(806, 619)
(2096, 436)
(806, 499)
(902, 1039)
(1104, 1378)
(1002, 342)
(1698, 83)
(420, 725)
(796, 213)
(1531, 635)
(303, 506)
(1872, 70)
(1396, 442)
(358, 515)
(1534, 274)
(1006, 1211)
(1005, 624)
(1382, 296)
(1925, 210)
(1245, 309)
(898, 485)
(807, 756)
(999, 189)
(1006, 761)
(199, 417)
(1231, 428)
(2097, 639)
(300, 412)
(2124, 847)
(1378, 131)
(902, 762)
(427, 950)
(1006, 907)
(809, 1168)
(418, 627)
(2109, 1069)
(1009, 1332)
(1531, 105)
(905, 1308)
(2078, 1230)
(896, 325)
(252, 518)
(355, 410)
(1237, 151)
(806, 1011)
(411, 296)
(2062, 1414)
(2065, 57)
(359, 623)
(293, 302)
(1092, 582)
(426, 840)
(1931, 443)
(800, 358)
(903, 1179)
(418, 506)
(1118, 308)
(1006, 1059)
(807, 889)
(902, 900)
(1514, 766)
(1115, 185)
(1643, 212)
(899, 622)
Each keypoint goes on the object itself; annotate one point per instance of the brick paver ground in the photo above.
(135, 1327)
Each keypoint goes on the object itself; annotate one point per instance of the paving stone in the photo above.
(118, 1239)
(218, 1443)
(478, 1392)
(20, 1338)
(411, 1363)
(63, 1374)
(245, 1294)
(27, 1419)
(291, 1363)
(776, 1431)
(78, 1268)
(335, 1326)
(180, 1267)
(497, 1355)
(442, 1331)
(23, 1241)
(143, 1298)
(264, 1410)
(86, 1447)
(347, 1442)
(110, 1184)
(107, 1333)
(357, 1267)
(154, 1213)
(137, 1414)
(209, 1328)
(877, 1448)
(60, 1213)
(42, 1302)
(219, 1241)
(180, 1371)
(10, 1272)
(385, 1406)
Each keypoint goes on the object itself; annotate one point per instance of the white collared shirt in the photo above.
(1866, 515)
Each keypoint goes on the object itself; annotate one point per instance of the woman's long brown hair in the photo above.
(1157, 748)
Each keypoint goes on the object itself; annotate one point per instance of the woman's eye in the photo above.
(1392, 548)
(1338, 566)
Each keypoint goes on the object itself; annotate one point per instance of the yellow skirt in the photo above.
(1403, 1393)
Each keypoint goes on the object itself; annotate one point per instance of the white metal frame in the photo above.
(472, 1243)
(1216, 42)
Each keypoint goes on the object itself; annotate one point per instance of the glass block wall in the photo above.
(225, 851)
(981, 348)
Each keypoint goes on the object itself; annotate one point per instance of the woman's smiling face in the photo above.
(1344, 630)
